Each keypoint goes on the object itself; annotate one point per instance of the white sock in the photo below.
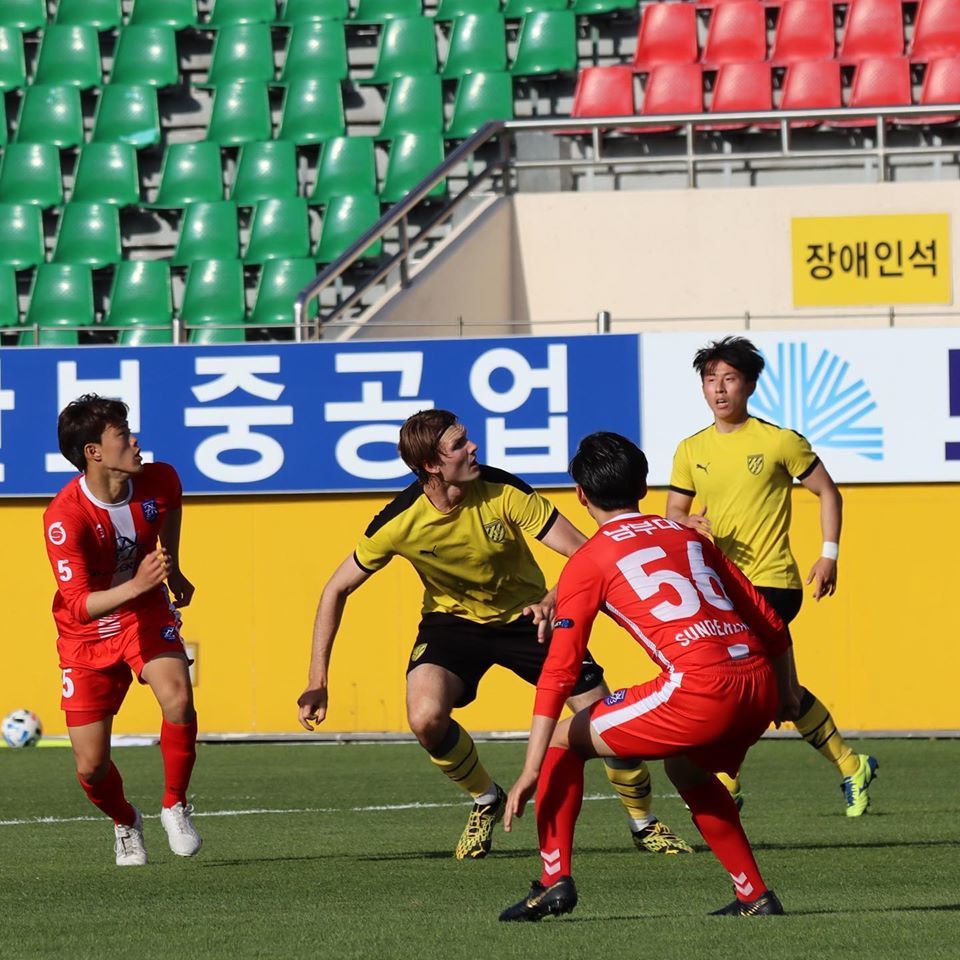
(641, 823)
(489, 797)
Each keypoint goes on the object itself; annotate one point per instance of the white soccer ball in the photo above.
(22, 728)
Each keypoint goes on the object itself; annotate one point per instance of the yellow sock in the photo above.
(456, 755)
(631, 781)
(817, 727)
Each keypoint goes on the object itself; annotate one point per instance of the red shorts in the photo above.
(712, 717)
(98, 673)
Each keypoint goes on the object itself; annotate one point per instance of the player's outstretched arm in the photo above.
(153, 570)
(541, 732)
(678, 510)
(181, 588)
(563, 538)
(345, 579)
(823, 573)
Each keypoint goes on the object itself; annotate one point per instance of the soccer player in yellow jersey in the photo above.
(741, 470)
(462, 526)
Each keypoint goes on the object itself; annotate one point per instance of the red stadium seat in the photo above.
(668, 34)
(804, 32)
(672, 88)
(741, 87)
(941, 84)
(717, 3)
(737, 34)
(874, 28)
(811, 85)
(878, 82)
(936, 32)
(603, 92)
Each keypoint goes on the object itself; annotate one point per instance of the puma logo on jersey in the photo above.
(703, 467)
(432, 552)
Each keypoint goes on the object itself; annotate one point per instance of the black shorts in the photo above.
(785, 600)
(468, 650)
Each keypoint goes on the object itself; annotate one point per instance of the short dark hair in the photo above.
(83, 421)
(420, 439)
(739, 352)
(611, 470)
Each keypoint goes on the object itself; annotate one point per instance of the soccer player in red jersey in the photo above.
(114, 616)
(723, 653)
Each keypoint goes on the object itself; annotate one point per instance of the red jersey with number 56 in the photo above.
(670, 588)
(94, 546)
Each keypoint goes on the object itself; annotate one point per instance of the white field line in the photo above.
(268, 811)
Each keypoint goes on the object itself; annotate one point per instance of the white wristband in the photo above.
(830, 549)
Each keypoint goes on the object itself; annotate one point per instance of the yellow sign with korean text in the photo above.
(869, 261)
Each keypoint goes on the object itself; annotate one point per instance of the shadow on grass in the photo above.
(632, 917)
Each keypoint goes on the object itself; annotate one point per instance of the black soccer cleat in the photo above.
(766, 905)
(541, 901)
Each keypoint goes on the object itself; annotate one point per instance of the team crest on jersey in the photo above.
(618, 696)
(563, 623)
(417, 652)
(755, 463)
(150, 511)
(169, 632)
(495, 531)
(57, 534)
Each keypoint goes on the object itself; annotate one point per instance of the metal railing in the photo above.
(500, 175)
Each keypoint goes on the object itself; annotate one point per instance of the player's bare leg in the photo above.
(715, 815)
(630, 779)
(103, 785)
(169, 678)
(432, 692)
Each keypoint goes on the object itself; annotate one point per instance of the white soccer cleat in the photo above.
(182, 834)
(128, 845)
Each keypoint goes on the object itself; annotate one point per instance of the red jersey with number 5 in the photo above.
(670, 588)
(94, 546)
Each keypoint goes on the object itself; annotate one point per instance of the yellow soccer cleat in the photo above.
(855, 787)
(477, 837)
(659, 838)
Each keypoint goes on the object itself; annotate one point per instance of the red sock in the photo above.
(178, 744)
(107, 795)
(716, 816)
(559, 798)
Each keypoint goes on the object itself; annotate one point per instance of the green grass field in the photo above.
(345, 851)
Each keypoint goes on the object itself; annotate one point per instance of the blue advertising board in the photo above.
(292, 418)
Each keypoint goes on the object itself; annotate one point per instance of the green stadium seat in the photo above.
(101, 14)
(226, 13)
(414, 105)
(280, 282)
(21, 226)
(141, 336)
(477, 45)
(412, 157)
(13, 68)
(345, 220)
(69, 56)
(9, 307)
(30, 173)
(127, 113)
(280, 230)
(208, 231)
(241, 51)
(407, 48)
(547, 44)
(480, 98)
(61, 296)
(347, 165)
(379, 11)
(451, 9)
(140, 297)
(50, 115)
(88, 233)
(316, 48)
(107, 173)
(213, 295)
(190, 173)
(265, 170)
(312, 111)
(587, 8)
(26, 15)
(241, 114)
(146, 55)
(302, 11)
(164, 13)
(3, 119)
(515, 9)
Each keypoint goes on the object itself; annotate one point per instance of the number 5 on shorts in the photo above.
(68, 687)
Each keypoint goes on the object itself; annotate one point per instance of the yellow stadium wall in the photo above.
(881, 654)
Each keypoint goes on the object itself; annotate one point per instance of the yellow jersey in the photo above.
(473, 561)
(744, 479)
